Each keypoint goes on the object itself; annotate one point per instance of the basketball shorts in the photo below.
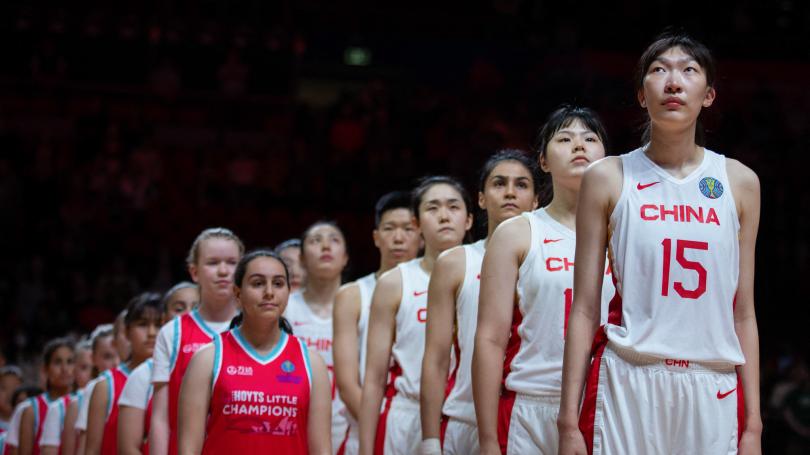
(460, 438)
(640, 404)
(400, 429)
(528, 424)
(351, 440)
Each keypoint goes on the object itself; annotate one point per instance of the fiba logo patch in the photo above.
(287, 367)
(288, 378)
(711, 187)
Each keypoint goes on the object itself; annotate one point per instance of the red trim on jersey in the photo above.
(740, 408)
(513, 345)
(505, 405)
(443, 429)
(451, 381)
(615, 305)
(390, 392)
(41, 402)
(588, 414)
(342, 449)
(109, 440)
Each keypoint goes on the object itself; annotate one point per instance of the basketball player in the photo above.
(257, 388)
(58, 356)
(211, 261)
(526, 283)
(508, 186)
(141, 324)
(397, 323)
(290, 251)
(135, 403)
(397, 238)
(323, 256)
(680, 223)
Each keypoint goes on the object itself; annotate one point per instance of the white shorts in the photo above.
(460, 438)
(339, 428)
(639, 404)
(529, 424)
(400, 429)
(351, 442)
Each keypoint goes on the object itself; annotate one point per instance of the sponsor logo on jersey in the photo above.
(288, 368)
(239, 370)
(550, 240)
(711, 187)
(721, 395)
(679, 213)
(192, 347)
(641, 186)
(676, 363)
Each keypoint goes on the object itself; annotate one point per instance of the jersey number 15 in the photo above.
(680, 247)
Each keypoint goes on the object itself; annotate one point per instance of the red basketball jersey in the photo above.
(116, 378)
(258, 403)
(40, 405)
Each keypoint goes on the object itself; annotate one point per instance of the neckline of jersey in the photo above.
(561, 228)
(251, 351)
(671, 178)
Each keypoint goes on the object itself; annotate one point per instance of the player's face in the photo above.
(508, 191)
(83, 367)
(105, 356)
(215, 265)
(264, 290)
(397, 236)
(324, 252)
(675, 89)
(8, 384)
(142, 334)
(443, 217)
(292, 257)
(182, 301)
(60, 369)
(570, 151)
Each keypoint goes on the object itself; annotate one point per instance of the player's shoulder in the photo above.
(742, 175)
(452, 257)
(349, 290)
(607, 168)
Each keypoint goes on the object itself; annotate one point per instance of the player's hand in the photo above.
(750, 443)
(572, 443)
(490, 449)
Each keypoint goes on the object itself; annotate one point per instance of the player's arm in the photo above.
(195, 397)
(68, 444)
(48, 450)
(601, 183)
(346, 346)
(745, 186)
(319, 436)
(26, 446)
(445, 280)
(381, 330)
(159, 425)
(130, 430)
(97, 417)
(505, 252)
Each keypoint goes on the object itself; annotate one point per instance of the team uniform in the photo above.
(530, 399)
(177, 342)
(399, 430)
(116, 378)
(137, 393)
(13, 433)
(317, 333)
(366, 285)
(460, 433)
(84, 404)
(55, 421)
(40, 404)
(258, 403)
(663, 376)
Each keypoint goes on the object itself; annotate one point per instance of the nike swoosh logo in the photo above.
(296, 323)
(720, 396)
(478, 277)
(417, 293)
(551, 240)
(641, 187)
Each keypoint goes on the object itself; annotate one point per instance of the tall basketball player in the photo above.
(680, 223)
(397, 323)
(397, 238)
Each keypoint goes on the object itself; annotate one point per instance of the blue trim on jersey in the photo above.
(110, 386)
(175, 343)
(217, 360)
(61, 415)
(3, 441)
(195, 314)
(123, 368)
(35, 407)
(264, 360)
(305, 353)
(151, 366)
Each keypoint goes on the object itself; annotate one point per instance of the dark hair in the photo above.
(27, 390)
(560, 118)
(289, 243)
(325, 223)
(692, 47)
(426, 183)
(51, 346)
(509, 155)
(239, 275)
(164, 302)
(391, 201)
(147, 305)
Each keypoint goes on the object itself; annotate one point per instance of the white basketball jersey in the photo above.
(540, 320)
(366, 286)
(675, 252)
(409, 341)
(459, 403)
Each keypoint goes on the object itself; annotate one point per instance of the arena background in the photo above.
(127, 127)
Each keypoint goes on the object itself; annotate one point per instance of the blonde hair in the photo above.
(215, 232)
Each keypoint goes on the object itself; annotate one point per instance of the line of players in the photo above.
(469, 348)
